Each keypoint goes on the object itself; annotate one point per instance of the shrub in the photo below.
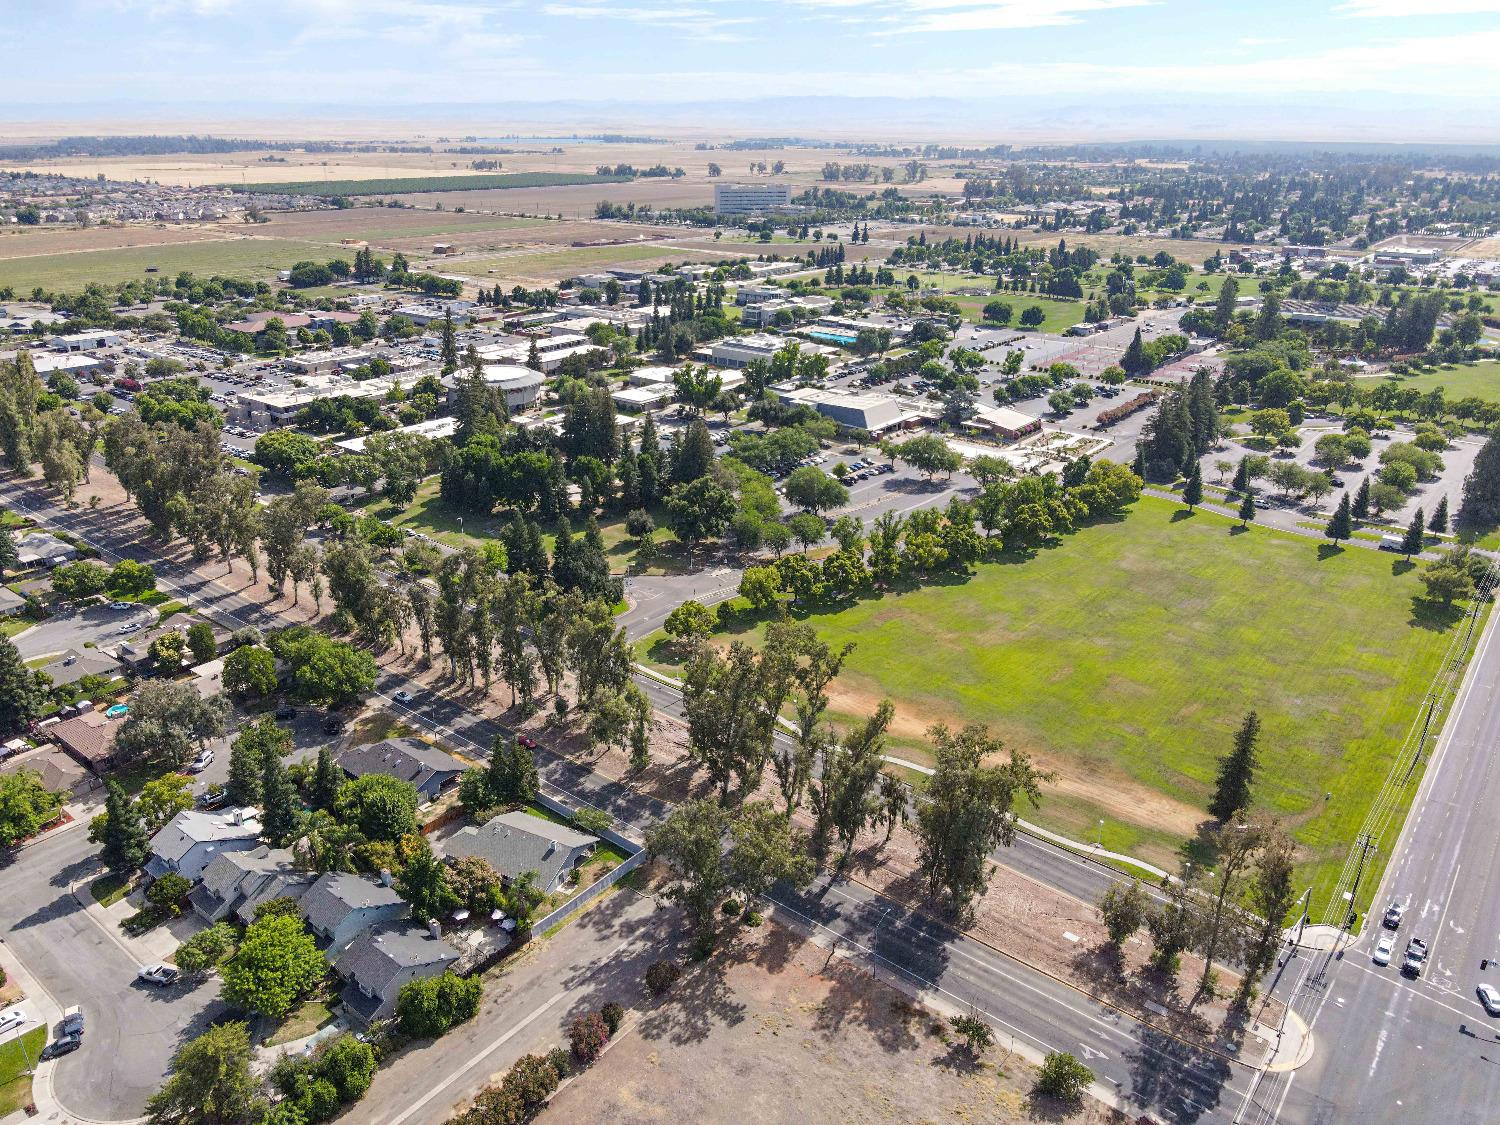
(532, 1079)
(317, 1098)
(561, 1061)
(662, 976)
(975, 1033)
(613, 1015)
(428, 1008)
(207, 948)
(168, 892)
(1063, 1077)
(349, 1065)
(587, 1037)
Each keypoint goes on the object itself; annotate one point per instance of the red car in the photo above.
(526, 740)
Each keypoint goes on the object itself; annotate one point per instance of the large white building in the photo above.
(747, 199)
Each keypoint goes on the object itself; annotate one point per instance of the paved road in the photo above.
(1179, 1083)
(98, 624)
(132, 1029)
(1395, 1048)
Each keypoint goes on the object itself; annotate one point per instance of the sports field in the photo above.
(240, 257)
(1125, 658)
(1464, 380)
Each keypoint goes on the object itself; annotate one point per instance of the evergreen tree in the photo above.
(1203, 411)
(1236, 772)
(1341, 526)
(534, 356)
(1361, 508)
(246, 766)
(1241, 481)
(450, 344)
(1225, 305)
(695, 453)
(326, 779)
(1480, 506)
(1134, 361)
(278, 801)
(1439, 521)
(125, 843)
(1247, 509)
(1192, 492)
(1138, 466)
(1415, 537)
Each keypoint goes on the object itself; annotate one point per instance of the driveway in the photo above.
(98, 625)
(133, 1029)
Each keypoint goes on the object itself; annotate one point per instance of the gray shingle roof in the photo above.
(405, 758)
(336, 895)
(516, 842)
(186, 829)
(380, 954)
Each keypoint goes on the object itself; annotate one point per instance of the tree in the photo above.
(1176, 923)
(1192, 491)
(475, 882)
(1032, 316)
(281, 816)
(1439, 521)
(1236, 772)
(248, 753)
(689, 621)
(206, 949)
(23, 691)
(1134, 361)
(169, 723)
(26, 806)
(278, 962)
(813, 490)
(845, 794)
(1341, 526)
(380, 806)
(166, 651)
(759, 587)
(975, 1033)
(250, 671)
(510, 778)
(1448, 579)
(1247, 509)
(1479, 508)
(77, 580)
(807, 529)
(1225, 926)
(1416, 535)
(129, 578)
(969, 811)
(125, 842)
(1063, 1077)
(1360, 509)
(328, 671)
(762, 850)
(1124, 907)
(928, 454)
(163, 798)
(423, 882)
(700, 510)
(731, 700)
(428, 1008)
(1270, 896)
(168, 891)
(201, 642)
(210, 1081)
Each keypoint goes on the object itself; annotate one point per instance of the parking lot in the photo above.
(97, 625)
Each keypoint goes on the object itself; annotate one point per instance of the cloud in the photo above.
(705, 24)
(1397, 9)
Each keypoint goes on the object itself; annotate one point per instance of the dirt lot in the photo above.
(770, 1030)
(1483, 248)
(27, 242)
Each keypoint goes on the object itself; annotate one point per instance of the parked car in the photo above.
(404, 697)
(72, 1021)
(159, 975)
(526, 740)
(1383, 949)
(13, 1019)
(122, 605)
(1393, 915)
(201, 762)
(333, 724)
(62, 1045)
(286, 711)
(215, 796)
(1489, 996)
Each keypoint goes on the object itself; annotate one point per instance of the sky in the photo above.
(408, 52)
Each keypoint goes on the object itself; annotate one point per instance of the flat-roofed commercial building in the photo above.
(747, 199)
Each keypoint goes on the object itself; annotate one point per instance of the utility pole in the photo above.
(1422, 741)
(1366, 846)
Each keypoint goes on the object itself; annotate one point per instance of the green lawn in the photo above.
(1061, 314)
(109, 889)
(1127, 656)
(251, 258)
(15, 1083)
(1463, 380)
(301, 1021)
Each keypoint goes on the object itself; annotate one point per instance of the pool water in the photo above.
(835, 337)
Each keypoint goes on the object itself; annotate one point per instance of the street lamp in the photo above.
(1099, 843)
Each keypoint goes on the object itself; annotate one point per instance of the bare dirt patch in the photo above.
(39, 241)
(771, 1029)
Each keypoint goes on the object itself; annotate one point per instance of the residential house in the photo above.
(235, 883)
(74, 665)
(426, 767)
(191, 840)
(381, 960)
(89, 738)
(37, 548)
(516, 842)
(339, 907)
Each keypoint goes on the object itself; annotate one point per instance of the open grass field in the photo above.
(393, 184)
(379, 224)
(15, 1083)
(1465, 380)
(1125, 658)
(25, 242)
(251, 258)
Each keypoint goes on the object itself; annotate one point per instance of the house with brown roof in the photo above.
(89, 738)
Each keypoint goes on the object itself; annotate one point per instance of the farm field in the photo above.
(574, 202)
(1126, 657)
(379, 223)
(387, 185)
(1477, 380)
(25, 242)
(238, 257)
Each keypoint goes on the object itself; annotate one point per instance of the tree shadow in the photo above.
(1434, 616)
(1329, 551)
(1175, 1080)
(1239, 529)
(1402, 566)
(1182, 514)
